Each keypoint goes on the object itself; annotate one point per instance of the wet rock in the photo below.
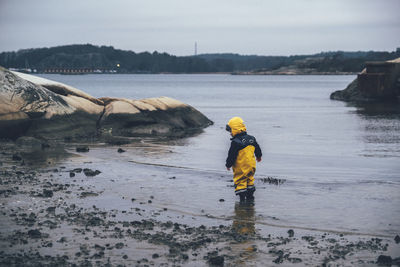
(295, 260)
(99, 247)
(77, 170)
(34, 233)
(94, 221)
(82, 149)
(155, 256)
(221, 200)
(90, 172)
(51, 209)
(47, 193)
(88, 194)
(120, 150)
(119, 245)
(384, 260)
(16, 157)
(397, 239)
(62, 240)
(291, 233)
(216, 261)
(71, 174)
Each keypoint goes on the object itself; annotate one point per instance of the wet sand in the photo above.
(62, 207)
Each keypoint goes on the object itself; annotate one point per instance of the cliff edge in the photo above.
(379, 81)
(41, 108)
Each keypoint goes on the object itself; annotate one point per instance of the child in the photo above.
(241, 158)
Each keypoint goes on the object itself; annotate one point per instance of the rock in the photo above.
(47, 193)
(397, 239)
(88, 194)
(221, 200)
(90, 172)
(32, 110)
(51, 209)
(216, 261)
(62, 240)
(384, 260)
(58, 88)
(120, 150)
(71, 174)
(379, 81)
(161, 116)
(16, 157)
(34, 233)
(119, 245)
(291, 233)
(51, 110)
(82, 149)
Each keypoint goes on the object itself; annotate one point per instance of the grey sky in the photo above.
(263, 27)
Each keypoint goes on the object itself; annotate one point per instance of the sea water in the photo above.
(340, 162)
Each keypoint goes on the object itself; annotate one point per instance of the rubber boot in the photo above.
(250, 195)
(242, 197)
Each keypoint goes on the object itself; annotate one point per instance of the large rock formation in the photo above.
(379, 81)
(33, 106)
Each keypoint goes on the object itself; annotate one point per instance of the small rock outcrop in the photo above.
(379, 81)
(37, 107)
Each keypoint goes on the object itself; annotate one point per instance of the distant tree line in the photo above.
(108, 58)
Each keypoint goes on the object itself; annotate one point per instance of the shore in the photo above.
(63, 207)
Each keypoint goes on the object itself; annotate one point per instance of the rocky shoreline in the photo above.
(50, 216)
(379, 82)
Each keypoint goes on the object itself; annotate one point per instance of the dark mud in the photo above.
(45, 220)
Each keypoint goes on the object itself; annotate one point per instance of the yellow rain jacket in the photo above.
(241, 156)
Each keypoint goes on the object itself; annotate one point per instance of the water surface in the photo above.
(341, 162)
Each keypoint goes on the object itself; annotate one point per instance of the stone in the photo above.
(82, 149)
(16, 157)
(216, 261)
(90, 172)
(46, 109)
(47, 193)
(384, 260)
(290, 232)
(34, 233)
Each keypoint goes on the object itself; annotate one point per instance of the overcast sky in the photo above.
(262, 27)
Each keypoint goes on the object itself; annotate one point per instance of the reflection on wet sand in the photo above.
(245, 250)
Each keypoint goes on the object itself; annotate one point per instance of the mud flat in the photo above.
(61, 207)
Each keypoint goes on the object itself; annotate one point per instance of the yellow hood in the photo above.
(237, 125)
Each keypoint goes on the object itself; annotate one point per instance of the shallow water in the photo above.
(341, 162)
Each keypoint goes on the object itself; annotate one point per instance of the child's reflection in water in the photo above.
(244, 227)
